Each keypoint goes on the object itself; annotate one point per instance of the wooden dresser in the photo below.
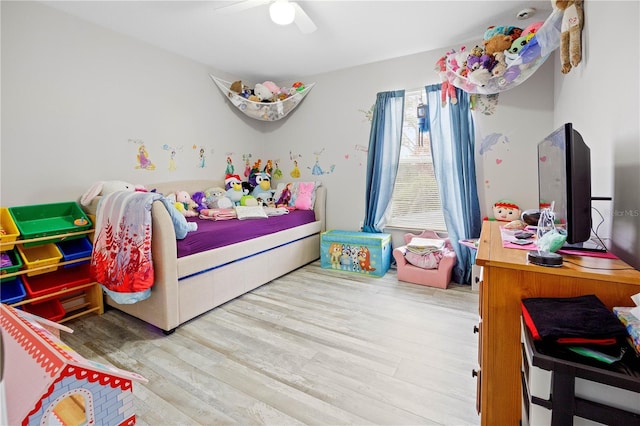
(507, 278)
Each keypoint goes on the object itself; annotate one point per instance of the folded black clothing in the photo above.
(572, 320)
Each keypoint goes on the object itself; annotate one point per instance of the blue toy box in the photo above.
(352, 251)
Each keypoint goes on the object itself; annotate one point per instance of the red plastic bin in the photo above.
(50, 309)
(62, 279)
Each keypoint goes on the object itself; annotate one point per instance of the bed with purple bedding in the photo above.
(212, 234)
(223, 259)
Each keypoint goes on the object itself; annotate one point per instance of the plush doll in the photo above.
(506, 211)
(248, 200)
(303, 197)
(200, 199)
(216, 199)
(570, 33)
(262, 185)
(500, 65)
(517, 45)
(448, 89)
(263, 93)
(531, 30)
(107, 187)
(235, 191)
(480, 77)
(511, 31)
(185, 204)
(497, 43)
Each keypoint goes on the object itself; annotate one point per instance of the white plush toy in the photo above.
(107, 187)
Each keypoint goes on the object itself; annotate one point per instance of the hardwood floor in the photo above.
(313, 347)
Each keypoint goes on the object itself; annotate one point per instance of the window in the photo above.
(416, 200)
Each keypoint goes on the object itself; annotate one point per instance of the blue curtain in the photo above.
(384, 155)
(452, 148)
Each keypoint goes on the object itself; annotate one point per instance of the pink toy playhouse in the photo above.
(48, 383)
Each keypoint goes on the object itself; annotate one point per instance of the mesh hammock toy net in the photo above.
(265, 111)
(520, 68)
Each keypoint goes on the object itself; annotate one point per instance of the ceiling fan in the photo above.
(282, 12)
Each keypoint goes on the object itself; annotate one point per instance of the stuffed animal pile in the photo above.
(504, 53)
(266, 92)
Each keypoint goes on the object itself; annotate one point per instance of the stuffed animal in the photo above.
(107, 187)
(235, 191)
(248, 200)
(200, 199)
(517, 45)
(497, 43)
(570, 33)
(531, 30)
(506, 211)
(262, 185)
(513, 32)
(303, 197)
(216, 199)
(500, 65)
(480, 77)
(448, 89)
(263, 93)
(236, 86)
(185, 204)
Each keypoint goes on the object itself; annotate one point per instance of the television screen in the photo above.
(564, 181)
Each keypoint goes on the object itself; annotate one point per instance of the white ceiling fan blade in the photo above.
(241, 6)
(302, 20)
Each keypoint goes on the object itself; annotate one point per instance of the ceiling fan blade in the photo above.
(302, 20)
(240, 6)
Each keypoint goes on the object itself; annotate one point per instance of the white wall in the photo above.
(601, 99)
(75, 94)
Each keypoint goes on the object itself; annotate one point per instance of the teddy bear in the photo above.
(497, 43)
(500, 65)
(263, 93)
(570, 33)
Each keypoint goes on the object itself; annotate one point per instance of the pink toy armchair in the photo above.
(439, 277)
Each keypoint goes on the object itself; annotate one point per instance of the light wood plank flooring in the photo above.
(316, 346)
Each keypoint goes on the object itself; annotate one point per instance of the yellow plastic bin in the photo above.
(38, 256)
(8, 231)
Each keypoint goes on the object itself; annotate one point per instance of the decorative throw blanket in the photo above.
(121, 260)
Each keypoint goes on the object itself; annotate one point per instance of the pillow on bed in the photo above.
(250, 212)
(295, 191)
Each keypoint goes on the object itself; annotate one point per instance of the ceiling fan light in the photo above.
(282, 12)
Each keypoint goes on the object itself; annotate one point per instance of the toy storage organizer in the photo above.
(264, 111)
(359, 252)
(45, 269)
(529, 59)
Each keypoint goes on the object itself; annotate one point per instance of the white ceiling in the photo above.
(248, 45)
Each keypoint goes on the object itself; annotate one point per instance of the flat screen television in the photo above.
(564, 181)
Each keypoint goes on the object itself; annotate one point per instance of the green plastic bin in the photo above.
(16, 264)
(44, 220)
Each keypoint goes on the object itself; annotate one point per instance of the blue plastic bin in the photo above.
(12, 291)
(75, 249)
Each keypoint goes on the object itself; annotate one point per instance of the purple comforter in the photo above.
(218, 233)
